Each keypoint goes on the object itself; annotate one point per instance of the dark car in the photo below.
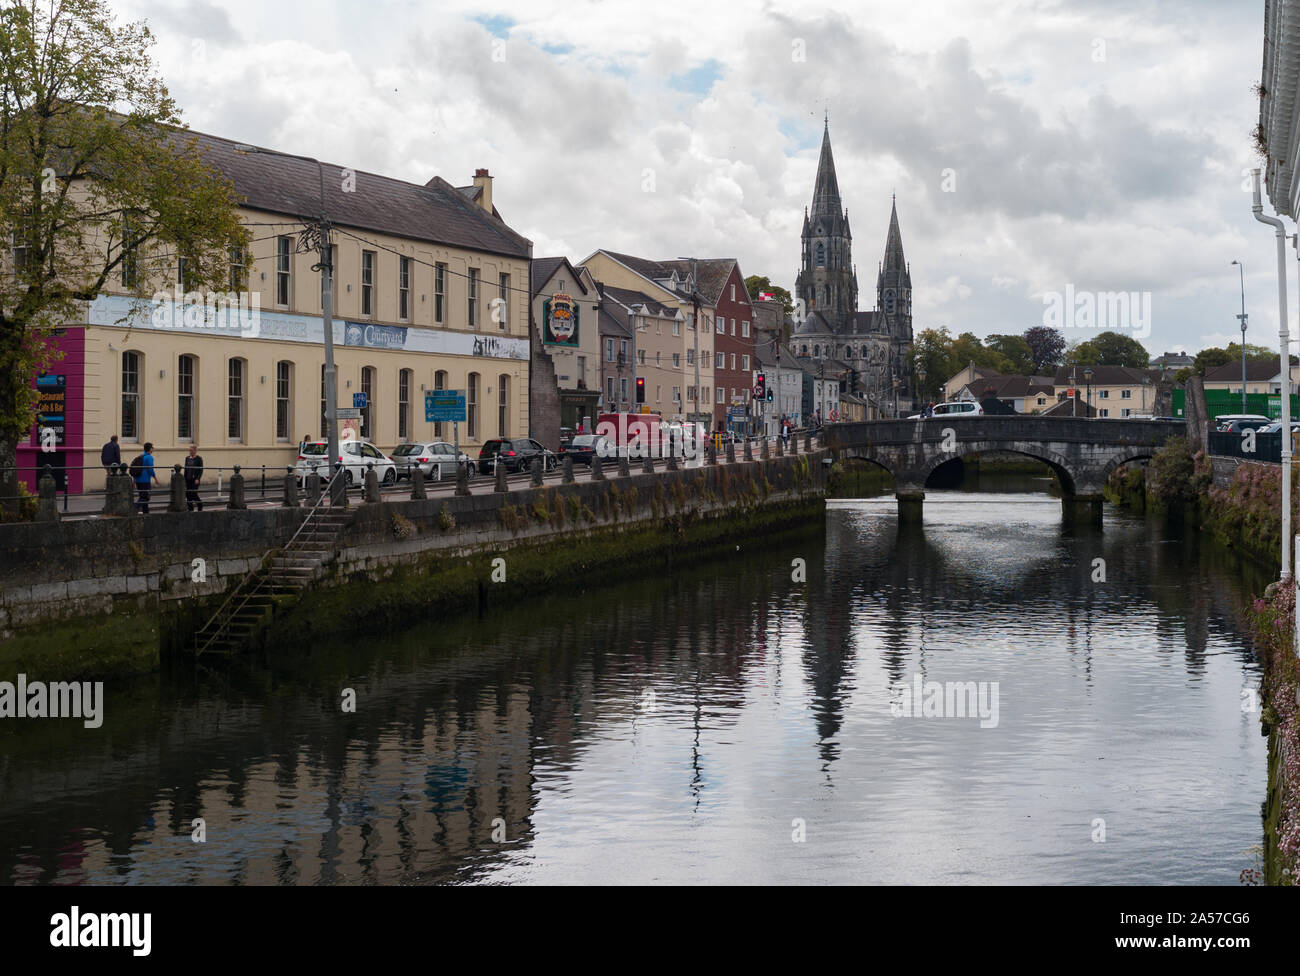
(1237, 426)
(516, 453)
(584, 447)
(566, 436)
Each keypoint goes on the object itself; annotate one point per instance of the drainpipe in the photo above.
(1284, 338)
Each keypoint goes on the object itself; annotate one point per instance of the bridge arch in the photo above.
(1127, 457)
(1059, 465)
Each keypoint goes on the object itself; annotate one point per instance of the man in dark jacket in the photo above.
(111, 454)
(193, 475)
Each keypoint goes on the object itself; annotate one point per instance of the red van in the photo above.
(634, 435)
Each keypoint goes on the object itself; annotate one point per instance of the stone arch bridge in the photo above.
(1082, 451)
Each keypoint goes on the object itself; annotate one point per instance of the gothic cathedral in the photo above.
(876, 344)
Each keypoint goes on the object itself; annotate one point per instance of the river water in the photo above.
(724, 724)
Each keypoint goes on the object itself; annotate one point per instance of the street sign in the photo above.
(359, 401)
(442, 406)
(348, 413)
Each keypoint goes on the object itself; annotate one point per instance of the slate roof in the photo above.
(713, 272)
(1255, 372)
(1068, 408)
(436, 212)
(608, 324)
(1104, 375)
(628, 298)
(542, 269)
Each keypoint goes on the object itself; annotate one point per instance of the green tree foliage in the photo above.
(1111, 349)
(932, 355)
(1017, 355)
(760, 283)
(97, 180)
(1047, 347)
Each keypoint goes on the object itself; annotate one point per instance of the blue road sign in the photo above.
(359, 400)
(444, 406)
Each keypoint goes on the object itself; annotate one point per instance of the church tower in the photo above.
(826, 281)
(894, 291)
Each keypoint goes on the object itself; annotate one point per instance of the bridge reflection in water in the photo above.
(673, 729)
(1081, 451)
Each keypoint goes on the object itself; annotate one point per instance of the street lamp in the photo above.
(326, 267)
(1087, 376)
(695, 299)
(1241, 275)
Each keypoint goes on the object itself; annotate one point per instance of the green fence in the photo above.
(1219, 402)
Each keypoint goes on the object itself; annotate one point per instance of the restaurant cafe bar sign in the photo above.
(560, 321)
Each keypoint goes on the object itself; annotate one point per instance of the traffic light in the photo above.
(760, 387)
(769, 394)
(640, 389)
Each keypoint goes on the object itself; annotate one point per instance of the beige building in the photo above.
(672, 353)
(655, 329)
(566, 312)
(431, 290)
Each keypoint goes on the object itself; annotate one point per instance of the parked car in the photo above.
(956, 408)
(355, 456)
(1237, 422)
(437, 459)
(566, 435)
(1276, 427)
(584, 448)
(516, 453)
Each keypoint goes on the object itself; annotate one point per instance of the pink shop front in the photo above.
(58, 432)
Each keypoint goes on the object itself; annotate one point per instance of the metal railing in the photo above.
(1266, 447)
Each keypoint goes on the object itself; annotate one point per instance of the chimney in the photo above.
(483, 180)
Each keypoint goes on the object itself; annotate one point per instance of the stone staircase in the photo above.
(284, 571)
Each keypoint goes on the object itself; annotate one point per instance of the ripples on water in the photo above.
(681, 730)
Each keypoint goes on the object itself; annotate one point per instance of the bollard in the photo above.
(417, 482)
(649, 466)
(537, 472)
(672, 462)
(236, 491)
(312, 484)
(177, 501)
(568, 470)
(749, 451)
(710, 453)
(47, 505)
(597, 468)
(462, 478)
(624, 466)
(290, 488)
(503, 484)
(780, 441)
(762, 448)
(372, 483)
(807, 441)
(731, 452)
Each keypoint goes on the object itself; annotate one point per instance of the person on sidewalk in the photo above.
(193, 475)
(111, 454)
(145, 478)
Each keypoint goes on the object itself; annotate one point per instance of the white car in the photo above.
(437, 459)
(957, 408)
(356, 457)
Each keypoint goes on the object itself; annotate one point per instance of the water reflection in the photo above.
(680, 729)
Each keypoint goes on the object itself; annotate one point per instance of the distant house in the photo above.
(1172, 361)
(1113, 391)
(1020, 394)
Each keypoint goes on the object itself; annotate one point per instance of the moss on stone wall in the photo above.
(118, 645)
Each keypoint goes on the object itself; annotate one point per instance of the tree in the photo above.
(1111, 349)
(755, 284)
(932, 354)
(98, 184)
(1048, 348)
(1017, 356)
(1208, 359)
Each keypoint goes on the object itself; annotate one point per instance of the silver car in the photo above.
(437, 459)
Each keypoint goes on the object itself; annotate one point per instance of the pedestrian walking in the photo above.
(142, 473)
(193, 475)
(111, 454)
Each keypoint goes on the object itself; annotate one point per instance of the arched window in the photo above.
(503, 404)
(803, 350)
(368, 411)
(283, 400)
(821, 255)
(817, 350)
(132, 368)
(404, 379)
(826, 294)
(864, 352)
(186, 368)
(439, 383)
(235, 374)
(471, 407)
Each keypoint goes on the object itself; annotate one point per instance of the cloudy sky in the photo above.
(1032, 144)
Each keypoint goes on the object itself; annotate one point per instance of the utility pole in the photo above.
(1242, 319)
(695, 301)
(321, 232)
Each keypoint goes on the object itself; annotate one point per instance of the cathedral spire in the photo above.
(826, 191)
(894, 260)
